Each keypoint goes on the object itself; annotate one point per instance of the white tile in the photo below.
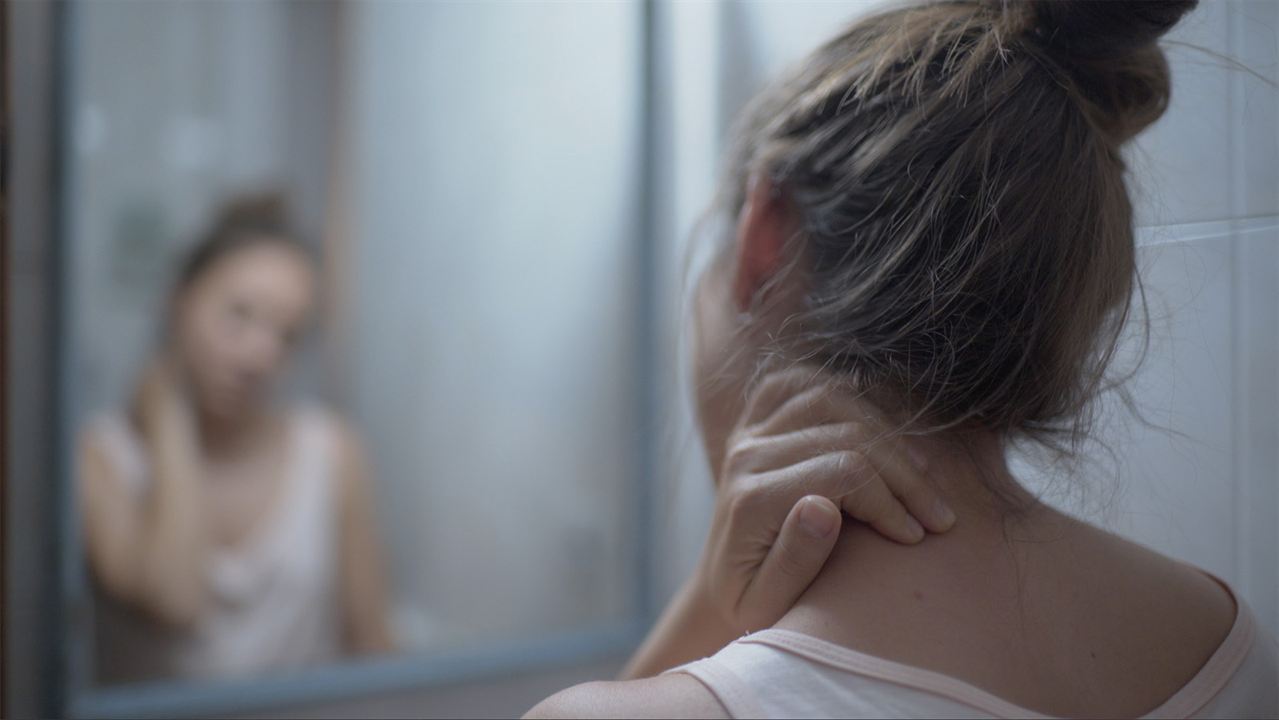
(1257, 424)
(1177, 473)
(1181, 166)
(782, 32)
(1199, 482)
(1256, 46)
(1168, 481)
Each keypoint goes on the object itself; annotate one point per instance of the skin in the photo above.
(1017, 599)
(780, 454)
(218, 452)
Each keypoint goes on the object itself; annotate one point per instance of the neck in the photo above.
(970, 469)
(916, 603)
(222, 435)
(867, 575)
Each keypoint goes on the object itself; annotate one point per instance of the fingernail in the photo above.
(817, 519)
(945, 516)
(915, 530)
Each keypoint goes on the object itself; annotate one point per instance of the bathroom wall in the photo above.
(492, 192)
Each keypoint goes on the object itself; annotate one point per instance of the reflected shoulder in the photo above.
(665, 696)
(347, 444)
(327, 417)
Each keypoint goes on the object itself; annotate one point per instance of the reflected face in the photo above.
(237, 324)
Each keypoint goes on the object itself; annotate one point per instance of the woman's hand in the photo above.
(803, 451)
(159, 402)
(149, 549)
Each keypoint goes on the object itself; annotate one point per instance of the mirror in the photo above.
(352, 360)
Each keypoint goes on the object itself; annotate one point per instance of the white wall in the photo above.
(1208, 179)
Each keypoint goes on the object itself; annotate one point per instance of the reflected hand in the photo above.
(803, 451)
(160, 401)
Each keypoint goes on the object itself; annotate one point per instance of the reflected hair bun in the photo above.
(242, 221)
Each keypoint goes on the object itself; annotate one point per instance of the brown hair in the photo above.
(241, 222)
(964, 230)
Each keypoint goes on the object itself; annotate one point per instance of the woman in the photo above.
(930, 225)
(226, 535)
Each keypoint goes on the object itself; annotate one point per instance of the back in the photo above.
(782, 673)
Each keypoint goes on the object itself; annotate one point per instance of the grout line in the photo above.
(1239, 477)
(1187, 232)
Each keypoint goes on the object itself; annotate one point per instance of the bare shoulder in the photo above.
(339, 430)
(665, 696)
(345, 441)
(1184, 589)
(1147, 610)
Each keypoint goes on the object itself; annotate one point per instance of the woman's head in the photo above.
(242, 297)
(934, 208)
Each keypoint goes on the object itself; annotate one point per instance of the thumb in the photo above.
(806, 539)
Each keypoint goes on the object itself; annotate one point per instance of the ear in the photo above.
(762, 228)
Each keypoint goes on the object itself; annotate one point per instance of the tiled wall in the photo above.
(1199, 481)
(1201, 484)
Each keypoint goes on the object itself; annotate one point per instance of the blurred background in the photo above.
(499, 197)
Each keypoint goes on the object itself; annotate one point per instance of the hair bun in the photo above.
(1109, 48)
(265, 212)
(1105, 29)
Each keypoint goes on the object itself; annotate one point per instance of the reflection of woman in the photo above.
(226, 535)
(933, 212)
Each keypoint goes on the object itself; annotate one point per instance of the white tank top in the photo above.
(784, 674)
(272, 599)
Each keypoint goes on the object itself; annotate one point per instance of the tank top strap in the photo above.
(730, 689)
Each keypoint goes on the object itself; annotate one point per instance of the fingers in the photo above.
(855, 483)
(775, 389)
(809, 407)
(778, 451)
(874, 504)
(851, 479)
(819, 405)
(800, 429)
(805, 541)
(907, 480)
(890, 460)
